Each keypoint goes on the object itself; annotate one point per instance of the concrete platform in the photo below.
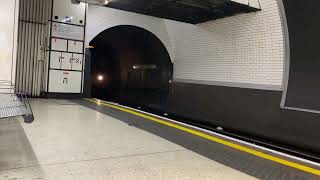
(70, 141)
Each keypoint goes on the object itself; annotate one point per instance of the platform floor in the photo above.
(76, 140)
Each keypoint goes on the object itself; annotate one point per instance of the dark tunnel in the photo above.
(130, 65)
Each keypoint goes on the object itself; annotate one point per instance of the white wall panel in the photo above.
(101, 18)
(8, 38)
(66, 62)
(77, 61)
(75, 46)
(55, 59)
(59, 44)
(65, 11)
(64, 81)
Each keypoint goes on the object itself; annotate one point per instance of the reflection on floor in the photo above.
(70, 141)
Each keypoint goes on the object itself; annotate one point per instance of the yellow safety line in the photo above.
(212, 138)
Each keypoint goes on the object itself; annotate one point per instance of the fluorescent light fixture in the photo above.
(145, 66)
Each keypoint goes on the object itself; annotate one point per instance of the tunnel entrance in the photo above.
(130, 65)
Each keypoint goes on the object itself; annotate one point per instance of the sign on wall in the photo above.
(67, 31)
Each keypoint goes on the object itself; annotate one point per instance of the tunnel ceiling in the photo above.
(189, 11)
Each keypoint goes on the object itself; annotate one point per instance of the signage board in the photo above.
(67, 31)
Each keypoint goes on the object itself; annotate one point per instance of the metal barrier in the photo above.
(14, 103)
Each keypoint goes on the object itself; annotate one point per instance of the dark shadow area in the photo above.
(130, 65)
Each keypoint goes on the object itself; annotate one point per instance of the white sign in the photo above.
(67, 31)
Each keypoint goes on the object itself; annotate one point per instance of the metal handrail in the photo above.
(21, 96)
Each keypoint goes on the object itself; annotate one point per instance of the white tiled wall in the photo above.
(247, 48)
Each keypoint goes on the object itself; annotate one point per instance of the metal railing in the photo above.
(14, 103)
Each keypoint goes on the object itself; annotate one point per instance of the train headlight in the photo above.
(100, 78)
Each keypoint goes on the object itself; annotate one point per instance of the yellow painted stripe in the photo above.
(213, 138)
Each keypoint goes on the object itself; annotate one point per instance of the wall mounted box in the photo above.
(59, 44)
(66, 40)
(75, 46)
(64, 81)
(56, 59)
(67, 12)
(77, 61)
(66, 62)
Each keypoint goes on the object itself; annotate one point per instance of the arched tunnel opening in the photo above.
(130, 65)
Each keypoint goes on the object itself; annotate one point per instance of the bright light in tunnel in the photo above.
(100, 78)
(106, 2)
